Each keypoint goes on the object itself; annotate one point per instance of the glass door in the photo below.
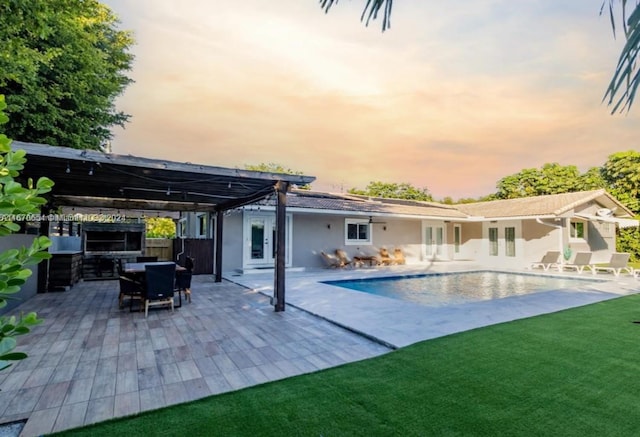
(434, 241)
(260, 240)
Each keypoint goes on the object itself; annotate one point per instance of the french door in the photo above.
(260, 240)
(433, 240)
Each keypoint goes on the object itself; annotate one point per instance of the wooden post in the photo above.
(281, 216)
(218, 246)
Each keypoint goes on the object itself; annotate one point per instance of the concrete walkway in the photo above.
(90, 361)
(397, 323)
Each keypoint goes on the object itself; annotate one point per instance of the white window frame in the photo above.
(356, 241)
(585, 227)
(181, 228)
(509, 244)
(494, 246)
(200, 219)
(457, 242)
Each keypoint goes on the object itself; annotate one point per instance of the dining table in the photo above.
(137, 269)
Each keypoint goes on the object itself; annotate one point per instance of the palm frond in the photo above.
(621, 91)
(371, 10)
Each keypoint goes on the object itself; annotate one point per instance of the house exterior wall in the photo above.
(314, 233)
(30, 288)
(539, 239)
(600, 239)
(471, 239)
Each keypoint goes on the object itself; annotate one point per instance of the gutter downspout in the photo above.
(561, 242)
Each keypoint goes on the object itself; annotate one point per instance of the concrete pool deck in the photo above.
(396, 323)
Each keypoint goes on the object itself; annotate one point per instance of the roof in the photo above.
(553, 205)
(305, 199)
(543, 206)
(89, 178)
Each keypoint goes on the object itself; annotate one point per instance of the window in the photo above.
(577, 230)
(510, 241)
(457, 238)
(493, 241)
(181, 229)
(202, 225)
(357, 231)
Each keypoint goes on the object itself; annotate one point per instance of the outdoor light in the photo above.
(168, 191)
(91, 171)
(68, 170)
(229, 186)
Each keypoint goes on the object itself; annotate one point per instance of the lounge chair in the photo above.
(580, 262)
(617, 264)
(550, 259)
(385, 257)
(332, 261)
(370, 260)
(399, 256)
(344, 258)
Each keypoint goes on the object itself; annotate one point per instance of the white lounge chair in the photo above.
(550, 259)
(617, 264)
(580, 262)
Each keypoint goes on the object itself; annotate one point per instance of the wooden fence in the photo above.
(200, 249)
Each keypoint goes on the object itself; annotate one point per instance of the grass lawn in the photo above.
(572, 373)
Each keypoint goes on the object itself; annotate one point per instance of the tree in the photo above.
(273, 167)
(62, 64)
(16, 201)
(393, 191)
(621, 173)
(551, 178)
(623, 86)
(160, 227)
(371, 10)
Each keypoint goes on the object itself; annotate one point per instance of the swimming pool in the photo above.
(439, 289)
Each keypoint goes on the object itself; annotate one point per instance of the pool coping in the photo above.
(396, 323)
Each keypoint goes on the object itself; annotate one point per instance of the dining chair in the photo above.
(131, 289)
(159, 285)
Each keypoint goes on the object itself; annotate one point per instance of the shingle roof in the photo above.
(549, 205)
(349, 203)
(538, 206)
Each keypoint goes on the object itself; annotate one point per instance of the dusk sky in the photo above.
(453, 97)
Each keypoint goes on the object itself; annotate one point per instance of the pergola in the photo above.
(94, 179)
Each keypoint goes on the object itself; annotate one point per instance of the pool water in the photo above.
(439, 289)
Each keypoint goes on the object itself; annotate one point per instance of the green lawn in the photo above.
(572, 373)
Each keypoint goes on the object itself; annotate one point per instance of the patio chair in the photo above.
(159, 285)
(399, 256)
(131, 289)
(616, 265)
(183, 279)
(385, 257)
(581, 261)
(344, 258)
(550, 259)
(332, 261)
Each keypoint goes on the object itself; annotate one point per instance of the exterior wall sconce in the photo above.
(384, 228)
(328, 225)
